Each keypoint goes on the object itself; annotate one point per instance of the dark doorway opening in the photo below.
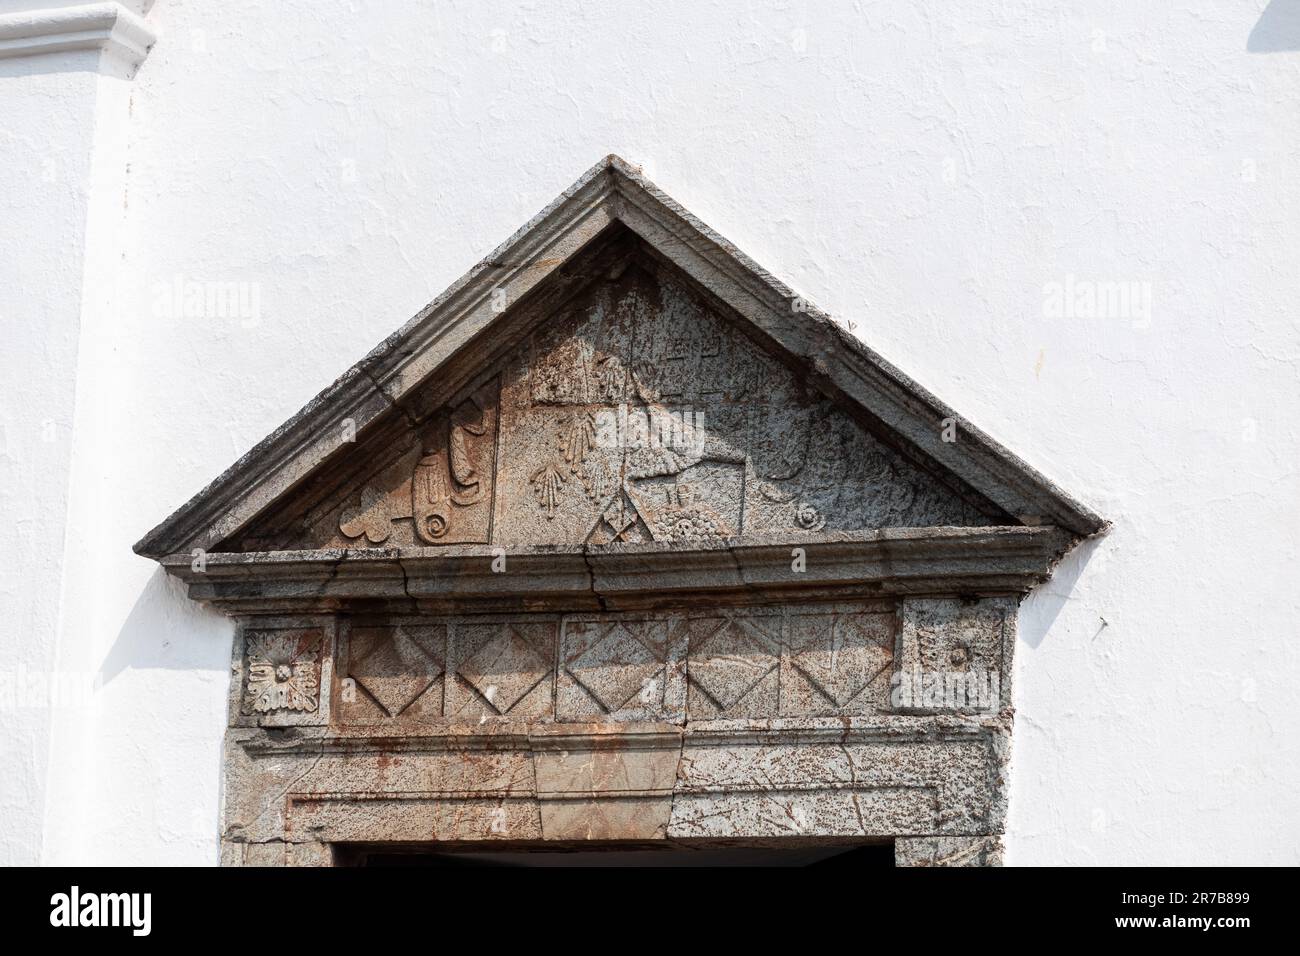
(616, 854)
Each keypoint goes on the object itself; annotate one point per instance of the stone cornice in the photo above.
(631, 736)
(109, 27)
(865, 563)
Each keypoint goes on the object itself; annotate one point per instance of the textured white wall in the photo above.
(921, 170)
(44, 230)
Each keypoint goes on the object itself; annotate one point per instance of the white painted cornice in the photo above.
(109, 27)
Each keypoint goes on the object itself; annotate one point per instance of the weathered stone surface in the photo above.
(840, 661)
(813, 659)
(272, 853)
(309, 854)
(282, 671)
(623, 668)
(948, 851)
(636, 413)
(954, 653)
(818, 659)
(734, 780)
(642, 414)
(393, 672)
(598, 783)
(734, 665)
(619, 540)
(502, 667)
(801, 811)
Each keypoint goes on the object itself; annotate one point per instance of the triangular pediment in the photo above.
(614, 373)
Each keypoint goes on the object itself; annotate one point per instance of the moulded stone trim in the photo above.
(428, 580)
(110, 27)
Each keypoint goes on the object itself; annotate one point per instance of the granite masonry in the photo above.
(620, 540)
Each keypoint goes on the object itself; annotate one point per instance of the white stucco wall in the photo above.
(924, 171)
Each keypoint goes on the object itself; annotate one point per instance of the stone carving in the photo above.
(451, 489)
(282, 670)
(547, 482)
(823, 659)
(734, 666)
(839, 662)
(636, 413)
(399, 668)
(640, 415)
(623, 668)
(443, 496)
(370, 519)
(501, 668)
(952, 654)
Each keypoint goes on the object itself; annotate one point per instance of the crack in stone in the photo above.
(269, 808)
(411, 420)
(591, 578)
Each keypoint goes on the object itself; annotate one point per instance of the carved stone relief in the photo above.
(502, 669)
(282, 671)
(394, 672)
(637, 414)
(735, 665)
(624, 668)
(649, 431)
(439, 493)
(953, 653)
(644, 416)
(839, 661)
(668, 666)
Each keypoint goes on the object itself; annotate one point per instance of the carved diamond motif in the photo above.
(504, 669)
(395, 667)
(845, 653)
(733, 659)
(616, 668)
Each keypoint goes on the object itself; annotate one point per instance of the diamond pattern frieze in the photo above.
(397, 670)
(838, 662)
(501, 669)
(734, 666)
(623, 669)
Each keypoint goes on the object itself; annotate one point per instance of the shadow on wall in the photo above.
(166, 630)
(1041, 609)
(1278, 30)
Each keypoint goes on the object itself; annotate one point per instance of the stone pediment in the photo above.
(634, 413)
(619, 540)
(616, 375)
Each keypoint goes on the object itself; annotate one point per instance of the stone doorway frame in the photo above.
(932, 778)
(930, 775)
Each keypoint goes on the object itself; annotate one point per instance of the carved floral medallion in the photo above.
(283, 671)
